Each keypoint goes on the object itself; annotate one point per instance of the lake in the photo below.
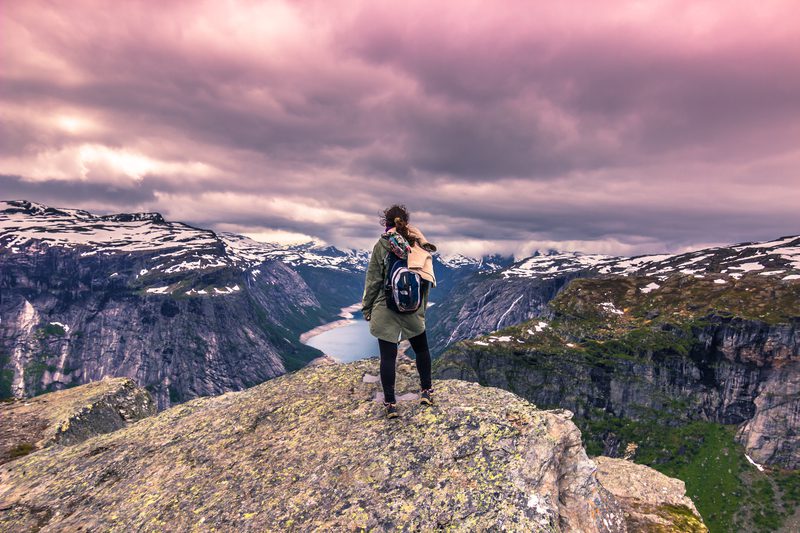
(348, 342)
(345, 340)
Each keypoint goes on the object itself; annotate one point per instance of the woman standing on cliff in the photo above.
(388, 324)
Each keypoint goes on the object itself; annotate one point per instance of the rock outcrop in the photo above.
(311, 450)
(70, 416)
(651, 501)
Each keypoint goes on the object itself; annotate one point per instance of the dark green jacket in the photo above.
(383, 322)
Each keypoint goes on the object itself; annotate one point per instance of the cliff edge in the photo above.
(70, 416)
(311, 450)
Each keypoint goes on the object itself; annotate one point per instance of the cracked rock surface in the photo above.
(651, 501)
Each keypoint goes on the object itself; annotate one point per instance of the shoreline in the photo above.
(345, 312)
(304, 337)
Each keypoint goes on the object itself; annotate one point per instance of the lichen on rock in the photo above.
(651, 501)
(70, 416)
(312, 450)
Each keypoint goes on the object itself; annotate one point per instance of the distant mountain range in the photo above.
(243, 303)
(521, 290)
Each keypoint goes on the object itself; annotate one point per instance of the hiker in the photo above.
(399, 277)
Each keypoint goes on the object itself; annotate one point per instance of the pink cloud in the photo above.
(624, 125)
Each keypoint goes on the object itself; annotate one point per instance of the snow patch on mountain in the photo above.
(313, 254)
(27, 227)
(781, 256)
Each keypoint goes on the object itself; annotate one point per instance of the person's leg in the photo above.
(420, 346)
(388, 361)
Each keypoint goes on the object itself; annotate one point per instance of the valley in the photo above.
(686, 363)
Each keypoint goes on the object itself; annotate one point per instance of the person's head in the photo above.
(395, 216)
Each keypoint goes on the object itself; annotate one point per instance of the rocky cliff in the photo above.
(180, 310)
(492, 299)
(311, 450)
(70, 416)
(692, 349)
(643, 361)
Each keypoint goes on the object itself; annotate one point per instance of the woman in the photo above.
(390, 326)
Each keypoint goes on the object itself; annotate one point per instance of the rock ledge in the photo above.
(70, 416)
(311, 451)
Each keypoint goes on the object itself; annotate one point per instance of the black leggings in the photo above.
(389, 358)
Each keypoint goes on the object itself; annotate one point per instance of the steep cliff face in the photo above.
(311, 451)
(485, 302)
(690, 350)
(335, 276)
(639, 366)
(492, 299)
(173, 307)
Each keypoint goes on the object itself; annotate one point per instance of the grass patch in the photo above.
(53, 330)
(6, 376)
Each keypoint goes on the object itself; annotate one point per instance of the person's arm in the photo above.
(374, 281)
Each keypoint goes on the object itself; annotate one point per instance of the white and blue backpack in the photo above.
(403, 287)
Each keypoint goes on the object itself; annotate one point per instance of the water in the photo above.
(347, 343)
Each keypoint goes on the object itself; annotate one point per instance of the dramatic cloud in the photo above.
(624, 127)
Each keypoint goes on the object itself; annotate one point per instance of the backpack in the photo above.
(402, 287)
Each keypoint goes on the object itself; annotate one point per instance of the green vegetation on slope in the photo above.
(730, 493)
(610, 325)
(6, 376)
(682, 298)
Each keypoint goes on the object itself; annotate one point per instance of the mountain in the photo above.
(310, 450)
(335, 276)
(691, 361)
(183, 311)
(521, 291)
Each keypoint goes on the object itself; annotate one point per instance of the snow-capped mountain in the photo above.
(173, 246)
(485, 264)
(184, 311)
(115, 285)
(780, 257)
(310, 254)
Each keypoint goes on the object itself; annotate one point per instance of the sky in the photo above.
(505, 127)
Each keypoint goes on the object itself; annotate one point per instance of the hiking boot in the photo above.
(426, 397)
(391, 410)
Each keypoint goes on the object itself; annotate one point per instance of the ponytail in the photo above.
(402, 228)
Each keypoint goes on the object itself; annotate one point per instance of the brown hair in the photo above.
(397, 217)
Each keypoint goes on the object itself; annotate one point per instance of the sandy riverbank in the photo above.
(346, 313)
